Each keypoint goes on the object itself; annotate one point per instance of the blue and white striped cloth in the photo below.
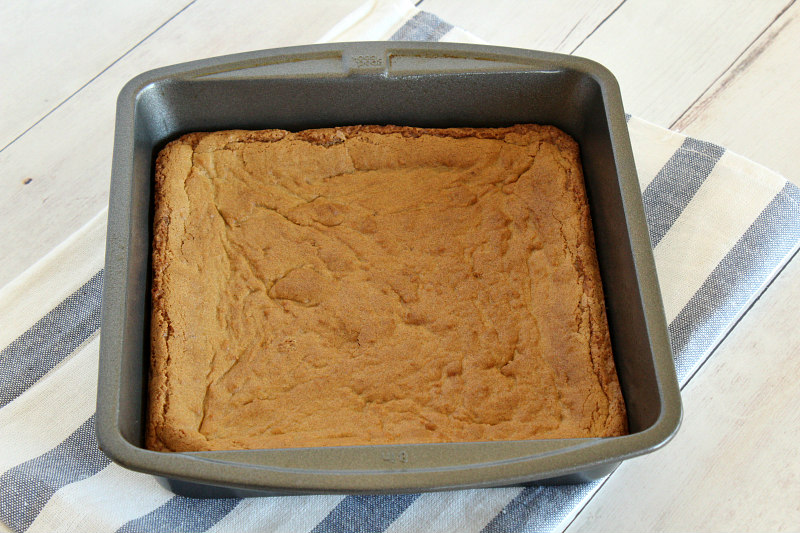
(721, 227)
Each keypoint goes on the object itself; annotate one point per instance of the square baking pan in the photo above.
(413, 84)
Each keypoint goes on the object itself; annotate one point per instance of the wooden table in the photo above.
(725, 71)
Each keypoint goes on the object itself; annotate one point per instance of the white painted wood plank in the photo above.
(48, 50)
(754, 108)
(665, 54)
(735, 463)
(373, 21)
(69, 176)
(537, 24)
(67, 156)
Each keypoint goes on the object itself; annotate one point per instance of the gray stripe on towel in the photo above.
(709, 315)
(56, 335)
(539, 508)
(422, 27)
(26, 488)
(357, 513)
(740, 276)
(365, 514)
(676, 183)
(180, 513)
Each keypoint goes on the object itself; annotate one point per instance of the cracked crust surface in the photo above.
(376, 285)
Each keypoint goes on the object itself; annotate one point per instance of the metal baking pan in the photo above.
(416, 84)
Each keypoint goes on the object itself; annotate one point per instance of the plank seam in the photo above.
(103, 71)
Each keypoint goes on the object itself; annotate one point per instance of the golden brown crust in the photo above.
(375, 285)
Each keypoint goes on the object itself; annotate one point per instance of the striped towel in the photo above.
(721, 226)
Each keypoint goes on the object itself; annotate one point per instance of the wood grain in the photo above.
(537, 24)
(56, 177)
(718, 70)
(753, 108)
(666, 53)
(48, 50)
(735, 463)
